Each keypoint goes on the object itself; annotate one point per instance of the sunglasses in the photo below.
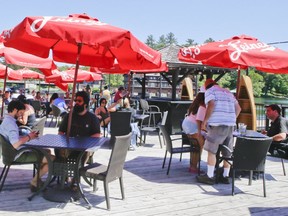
(79, 101)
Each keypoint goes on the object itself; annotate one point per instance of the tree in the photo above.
(209, 40)
(151, 41)
(161, 42)
(257, 82)
(115, 80)
(170, 39)
(189, 42)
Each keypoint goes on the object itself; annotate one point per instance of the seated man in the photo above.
(9, 130)
(278, 130)
(84, 123)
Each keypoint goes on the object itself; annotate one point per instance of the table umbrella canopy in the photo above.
(116, 69)
(101, 43)
(68, 76)
(29, 74)
(238, 52)
(11, 74)
(16, 57)
(81, 40)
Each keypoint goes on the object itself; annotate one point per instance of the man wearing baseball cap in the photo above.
(222, 109)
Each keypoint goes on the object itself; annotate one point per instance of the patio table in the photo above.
(250, 134)
(81, 144)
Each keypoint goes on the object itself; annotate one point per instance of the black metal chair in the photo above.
(120, 124)
(152, 110)
(10, 156)
(37, 107)
(281, 149)
(250, 155)
(144, 130)
(114, 169)
(55, 114)
(176, 150)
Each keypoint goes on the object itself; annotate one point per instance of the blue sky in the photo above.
(198, 20)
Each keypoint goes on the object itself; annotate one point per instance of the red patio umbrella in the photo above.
(29, 74)
(83, 40)
(68, 76)
(100, 44)
(16, 57)
(238, 52)
(11, 74)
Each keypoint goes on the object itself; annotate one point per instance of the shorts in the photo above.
(219, 135)
(29, 157)
(189, 127)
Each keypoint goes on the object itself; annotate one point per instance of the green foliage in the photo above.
(115, 80)
(189, 42)
(151, 42)
(257, 82)
(209, 40)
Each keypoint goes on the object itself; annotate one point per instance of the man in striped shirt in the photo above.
(222, 109)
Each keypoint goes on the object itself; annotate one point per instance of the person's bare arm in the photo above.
(279, 137)
(23, 120)
(237, 109)
(209, 111)
(25, 139)
(97, 113)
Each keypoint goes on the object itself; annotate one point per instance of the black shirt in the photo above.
(280, 125)
(82, 125)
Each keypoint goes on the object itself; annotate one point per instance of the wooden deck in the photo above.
(149, 191)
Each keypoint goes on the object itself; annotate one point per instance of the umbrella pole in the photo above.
(4, 89)
(73, 91)
(48, 88)
(238, 82)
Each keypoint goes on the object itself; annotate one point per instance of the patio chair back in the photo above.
(167, 139)
(250, 155)
(114, 169)
(144, 105)
(55, 114)
(118, 156)
(176, 150)
(8, 152)
(36, 105)
(120, 124)
(10, 156)
(39, 125)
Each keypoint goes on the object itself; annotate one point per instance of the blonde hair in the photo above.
(126, 103)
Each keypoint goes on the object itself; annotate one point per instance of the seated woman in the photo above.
(192, 127)
(29, 117)
(102, 113)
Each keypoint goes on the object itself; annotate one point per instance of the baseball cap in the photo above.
(209, 83)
